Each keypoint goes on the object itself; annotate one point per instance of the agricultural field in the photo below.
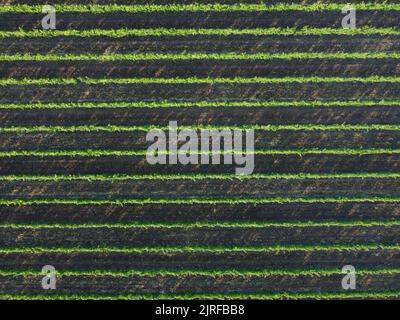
(77, 191)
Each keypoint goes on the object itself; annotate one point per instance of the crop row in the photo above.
(225, 296)
(204, 249)
(122, 153)
(199, 177)
(146, 128)
(196, 225)
(201, 56)
(195, 7)
(20, 202)
(160, 32)
(203, 104)
(163, 2)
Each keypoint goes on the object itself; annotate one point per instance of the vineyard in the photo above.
(77, 193)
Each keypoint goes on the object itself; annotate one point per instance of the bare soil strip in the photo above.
(175, 237)
(201, 68)
(212, 44)
(379, 258)
(196, 92)
(102, 190)
(263, 164)
(298, 19)
(196, 284)
(192, 116)
(192, 213)
(136, 140)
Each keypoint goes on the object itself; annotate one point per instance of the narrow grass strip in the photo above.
(202, 104)
(208, 249)
(239, 80)
(257, 127)
(23, 202)
(128, 153)
(197, 225)
(201, 56)
(198, 7)
(213, 296)
(160, 32)
(200, 177)
(75, 153)
(13, 82)
(214, 273)
(196, 80)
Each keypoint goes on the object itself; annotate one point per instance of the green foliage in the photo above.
(201, 56)
(159, 32)
(203, 104)
(19, 202)
(198, 7)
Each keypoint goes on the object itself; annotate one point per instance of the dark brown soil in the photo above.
(58, 237)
